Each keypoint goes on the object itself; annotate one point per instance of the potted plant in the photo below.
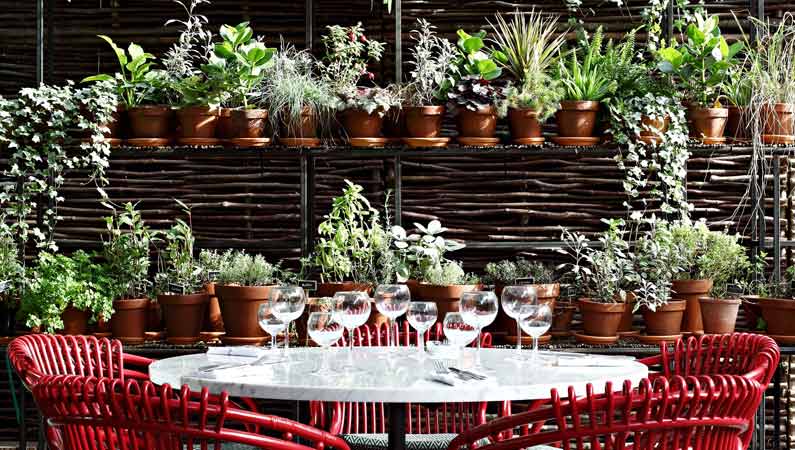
(242, 285)
(477, 92)
(724, 260)
(64, 293)
(527, 48)
(143, 92)
(738, 88)
(700, 64)
(362, 109)
(301, 103)
(353, 251)
(12, 276)
(213, 262)
(521, 271)
(179, 285)
(126, 251)
(586, 83)
(240, 62)
(773, 302)
(432, 58)
(599, 277)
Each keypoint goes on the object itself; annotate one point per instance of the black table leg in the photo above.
(397, 426)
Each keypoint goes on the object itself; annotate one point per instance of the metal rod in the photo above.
(309, 23)
(398, 191)
(39, 41)
(306, 205)
(669, 21)
(776, 219)
(398, 41)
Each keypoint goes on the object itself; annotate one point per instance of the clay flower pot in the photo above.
(447, 298)
(737, 124)
(75, 321)
(707, 124)
(779, 120)
(626, 319)
(197, 121)
(505, 326)
(423, 121)
(719, 315)
(151, 121)
(577, 118)
(239, 305)
(652, 128)
(562, 317)
(524, 123)
(224, 127)
(361, 124)
(481, 123)
(248, 123)
(394, 123)
(329, 289)
(666, 320)
(184, 315)
(600, 319)
(691, 291)
(128, 323)
(213, 320)
(305, 127)
(779, 313)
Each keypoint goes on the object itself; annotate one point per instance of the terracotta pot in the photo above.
(779, 313)
(423, 121)
(577, 118)
(305, 127)
(329, 289)
(737, 124)
(154, 316)
(239, 305)
(524, 123)
(128, 323)
(224, 129)
(248, 123)
(505, 326)
(649, 125)
(115, 124)
(414, 288)
(779, 120)
(629, 314)
(394, 123)
(691, 290)
(184, 315)
(562, 317)
(666, 320)
(480, 123)
(197, 121)
(447, 298)
(707, 122)
(75, 321)
(719, 315)
(753, 312)
(153, 121)
(361, 124)
(213, 321)
(600, 319)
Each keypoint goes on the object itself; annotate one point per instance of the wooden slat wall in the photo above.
(17, 45)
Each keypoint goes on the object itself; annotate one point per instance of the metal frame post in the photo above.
(776, 218)
(309, 23)
(307, 204)
(398, 190)
(398, 41)
(39, 41)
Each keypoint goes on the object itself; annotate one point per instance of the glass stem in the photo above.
(287, 337)
(350, 348)
(518, 336)
(535, 348)
(478, 356)
(421, 342)
(390, 339)
(273, 342)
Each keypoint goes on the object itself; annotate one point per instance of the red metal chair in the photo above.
(36, 355)
(88, 413)
(692, 413)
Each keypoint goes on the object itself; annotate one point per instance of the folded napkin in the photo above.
(243, 350)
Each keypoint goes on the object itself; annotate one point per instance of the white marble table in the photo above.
(396, 380)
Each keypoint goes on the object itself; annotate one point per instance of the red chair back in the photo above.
(87, 413)
(36, 355)
(693, 413)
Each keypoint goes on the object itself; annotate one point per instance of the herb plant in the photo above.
(654, 264)
(12, 273)
(126, 252)
(433, 59)
(506, 272)
(179, 272)
(422, 256)
(477, 86)
(242, 269)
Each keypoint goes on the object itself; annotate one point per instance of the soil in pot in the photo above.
(184, 316)
(239, 305)
(75, 321)
(707, 124)
(779, 121)
(248, 123)
(600, 319)
(447, 298)
(478, 124)
(737, 124)
(153, 121)
(719, 315)
(303, 128)
(361, 124)
(779, 313)
(691, 291)
(577, 118)
(128, 323)
(198, 121)
(524, 124)
(666, 320)
(423, 121)
(329, 289)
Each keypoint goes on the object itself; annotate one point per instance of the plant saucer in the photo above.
(418, 142)
(367, 142)
(778, 139)
(629, 333)
(248, 142)
(567, 141)
(595, 340)
(534, 141)
(646, 339)
(527, 340)
(300, 142)
(113, 142)
(148, 142)
(104, 334)
(230, 340)
(478, 141)
(154, 335)
(712, 140)
(560, 333)
(199, 141)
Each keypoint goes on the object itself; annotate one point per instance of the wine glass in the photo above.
(287, 304)
(422, 316)
(269, 322)
(353, 310)
(515, 300)
(535, 322)
(457, 330)
(325, 330)
(479, 309)
(392, 300)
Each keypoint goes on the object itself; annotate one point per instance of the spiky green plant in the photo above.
(587, 80)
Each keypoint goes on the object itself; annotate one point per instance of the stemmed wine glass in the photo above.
(270, 323)
(287, 304)
(353, 310)
(325, 330)
(535, 322)
(479, 309)
(515, 301)
(392, 300)
(457, 330)
(422, 316)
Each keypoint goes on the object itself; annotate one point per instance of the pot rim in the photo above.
(255, 113)
(130, 303)
(488, 110)
(579, 105)
(184, 299)
(427, 110)
(199, 111)
(727, 301)
(707, 112)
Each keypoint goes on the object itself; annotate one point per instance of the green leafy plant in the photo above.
(654, 263)
(701, 62)
(433, 58)
(476, 84)
(179, 271)
(448, 273)
(376, 99)
(126, 251)
(242, 269)
(506, 272)
(12, 273)
(587, 80)
(422, 256)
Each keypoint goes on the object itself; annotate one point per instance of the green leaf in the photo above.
(120, 55)
(224, 50)
(695, 34)
(99, 77)
(135, 51)
(473, 44)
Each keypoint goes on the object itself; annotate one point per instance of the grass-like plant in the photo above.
(584, 77)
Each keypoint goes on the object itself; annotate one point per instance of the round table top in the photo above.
(397, 378)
